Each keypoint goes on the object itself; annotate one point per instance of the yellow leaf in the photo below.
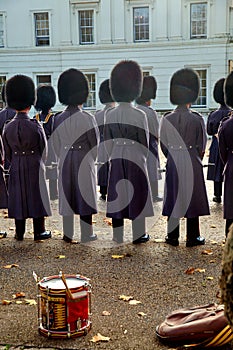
(56, 232)
(10, 266)
(60, 257)
(134, 302)
(118, 256)
(106, 313)
(18, 302)
(125, 297)
(159, 240)
(207, 252)
(30, 301)
(209, 278)
(141, 314)
(99, 337)
(200, 270)
(6, 302)
(12, 228)
(108, 221)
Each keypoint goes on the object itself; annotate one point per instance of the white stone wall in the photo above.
(169, 47)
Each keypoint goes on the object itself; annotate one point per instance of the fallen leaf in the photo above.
(213, 242)
(200, 270)
(12, 228)
(30, 302)
(18, 295)
(209, 278)
(207, 252)
(118, 256)
(57, 233)
(190, 271)
(142, 314)
(18, 302)
(159, 240)
(134, 302)
(108, 221)
(99, 337)
(125, 297)
(106, 313)
(60, 257)
(6, 302)
(213, 226)
(212, 261)
(125, 331)
(10, 266)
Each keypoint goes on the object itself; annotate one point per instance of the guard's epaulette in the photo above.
(166, 113)
(195, 112)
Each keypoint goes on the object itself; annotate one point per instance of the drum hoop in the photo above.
(86, 285)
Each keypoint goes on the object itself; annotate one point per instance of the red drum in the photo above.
(62, 314)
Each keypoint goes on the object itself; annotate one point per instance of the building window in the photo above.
(141, 23)
(42, 29)
(91, 101)
(2, 31)
(2, 82)
(198, 16)
(202, 98)
(43, 79)
(86, 27)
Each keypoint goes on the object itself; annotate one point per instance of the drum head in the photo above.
(55, 282)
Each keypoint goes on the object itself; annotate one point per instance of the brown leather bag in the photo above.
(204, 325)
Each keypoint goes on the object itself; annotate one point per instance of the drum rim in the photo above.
(67, 276)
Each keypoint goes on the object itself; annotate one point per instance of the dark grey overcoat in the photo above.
(102, 158)
(126, 138)
(3, 191)
(25, 147)
(183, 142)
(153, 157)
(226, 154)
(75, 139)
(214, 118)
(6, 114)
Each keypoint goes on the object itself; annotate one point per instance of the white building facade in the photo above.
(42, 38)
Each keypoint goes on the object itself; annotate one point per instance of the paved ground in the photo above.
(153, 273)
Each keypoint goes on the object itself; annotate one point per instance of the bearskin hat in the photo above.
(73, 87)
(149, 88)
(3, 92)
(126, 81)
(20, 92)
(45, 98)
(218, 92)
(228, 90)
(184, 86)
(104, 92)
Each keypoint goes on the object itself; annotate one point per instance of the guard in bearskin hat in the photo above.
(214, 119)
(45, 100)
(26, 149)
(183, 141)
(3, 190)
(75, 140)
(126, 136)
(144, 102)
(103, 166)
(226, 153)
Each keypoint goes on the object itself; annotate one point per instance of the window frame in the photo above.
(194, 104)
(139, 25)
(93, 27)
(34, 13)
(202, 35)
(3, 14)
(37, 75)
(94, 98)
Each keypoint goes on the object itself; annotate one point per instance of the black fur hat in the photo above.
(184, 86)
(45, 98)
(73, 87)
(20, 92)
(126, 81)
(104, 92)
(218, 92)
(149, 89)
(228, 90)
